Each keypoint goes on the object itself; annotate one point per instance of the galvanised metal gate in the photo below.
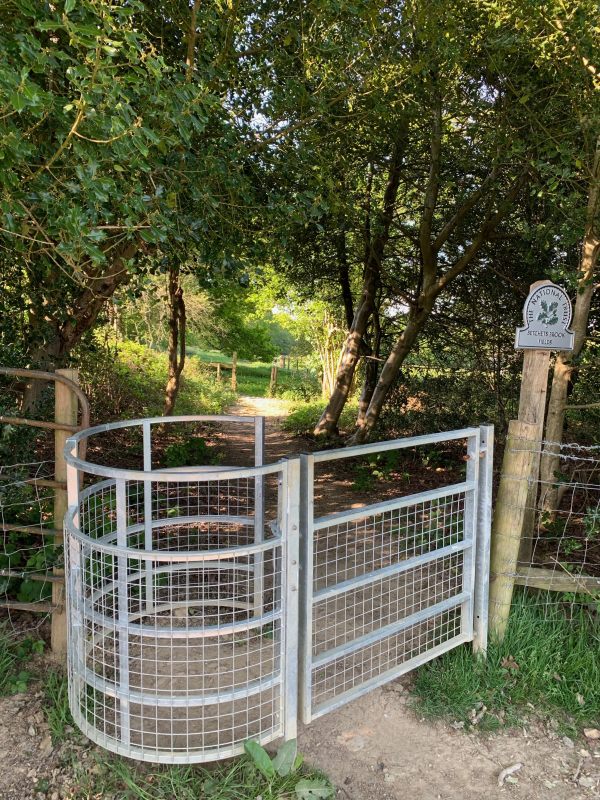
(182, 589)
(389, 586)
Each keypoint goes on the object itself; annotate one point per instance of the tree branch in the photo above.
(431, 195)
(462, 212)
(488, 226)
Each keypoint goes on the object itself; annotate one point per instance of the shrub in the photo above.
(304, 416)
(297, 386)
(128, 380)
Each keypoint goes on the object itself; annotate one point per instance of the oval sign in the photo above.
(546, 315)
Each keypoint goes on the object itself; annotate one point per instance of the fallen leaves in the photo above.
(508, 772)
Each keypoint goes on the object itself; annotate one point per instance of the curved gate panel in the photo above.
(179, 608)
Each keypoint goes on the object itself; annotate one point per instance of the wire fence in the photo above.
(28, 550)
(547, 527)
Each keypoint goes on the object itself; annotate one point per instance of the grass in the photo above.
(254, 377)
(248, 777)
(56, 705)
(547, 663)
(255, 774)
(129, 381)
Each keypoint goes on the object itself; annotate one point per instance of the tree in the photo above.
(482, 128)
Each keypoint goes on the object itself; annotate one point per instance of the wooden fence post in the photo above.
(65, 412)
(511, 506)
(218, 371)
(273, 380)
(234, 372)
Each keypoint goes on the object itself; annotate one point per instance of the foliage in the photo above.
(377, 467)
(296, 385)
(56, 705)
(193, 452)
(253, 775)
(549, 659)
(303, 417)
(15, 655)
(125, 379)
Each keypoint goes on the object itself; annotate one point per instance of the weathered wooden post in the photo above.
(234, 372)
(65, 413)
(546, 317)
(509, 515)
(218, 371)
(273, 380)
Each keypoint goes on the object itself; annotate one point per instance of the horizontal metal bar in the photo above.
(389, 630)
(193, 474)
(167, 522)
(386, 572)
(393, 444)
(111, 584)
(373, 510)
(175, 701)
(130, 628)
(388, 675)
(166, 555)
(163, 756)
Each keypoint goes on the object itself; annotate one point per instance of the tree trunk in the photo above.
(416, 322)
(371, 372)
(344, 278)
(374, 253)
(176, 347)
(563, 366)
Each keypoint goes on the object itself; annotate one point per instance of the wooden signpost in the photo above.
(546, 318)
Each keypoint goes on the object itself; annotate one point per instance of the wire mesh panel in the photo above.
(389, 586)
(181, 607)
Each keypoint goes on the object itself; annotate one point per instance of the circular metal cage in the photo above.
(177, 601)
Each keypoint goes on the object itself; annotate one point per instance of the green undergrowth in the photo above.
(547, 664)
(16, 655)
(303, 416)
(126, 379)
(56, 705)
(253, 775)
(254, 377)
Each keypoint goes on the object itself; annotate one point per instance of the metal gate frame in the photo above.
(475, 546)
(125, 625)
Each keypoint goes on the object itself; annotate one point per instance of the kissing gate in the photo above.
(211, 605)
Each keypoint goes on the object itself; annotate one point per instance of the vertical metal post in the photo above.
(470, 529)
(123, 610)
(307, 471)
(74, 595)
(482, 550)
(292, 577)
(259, 514)
(147, 437)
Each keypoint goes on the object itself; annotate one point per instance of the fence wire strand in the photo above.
(559, 557)
(28, 551)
